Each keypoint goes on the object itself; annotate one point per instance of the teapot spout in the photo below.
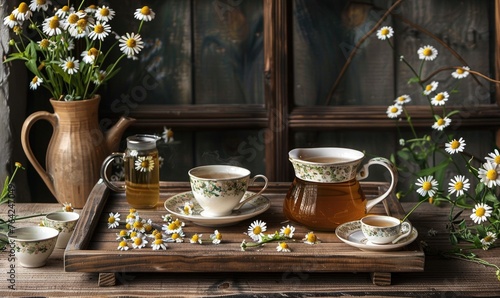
(114, 134)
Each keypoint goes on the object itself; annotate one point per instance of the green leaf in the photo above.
(413, 80)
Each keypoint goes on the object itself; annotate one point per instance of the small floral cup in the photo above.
(33, 245)
(381, 229)
(64, 222)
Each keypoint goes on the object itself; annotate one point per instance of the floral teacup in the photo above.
(381, 229)
(64, 222)
(33, 245)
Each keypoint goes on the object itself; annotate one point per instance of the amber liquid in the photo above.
(324, 206)
(142, 188)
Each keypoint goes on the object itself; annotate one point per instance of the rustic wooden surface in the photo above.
(440, 277)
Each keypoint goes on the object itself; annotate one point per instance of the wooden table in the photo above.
(440, 276)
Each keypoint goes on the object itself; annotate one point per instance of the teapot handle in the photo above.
(394, 178)
(25, 142)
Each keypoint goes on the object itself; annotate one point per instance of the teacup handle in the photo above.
(252, 180)
(104, 175)
(406, 225)
(394, 178)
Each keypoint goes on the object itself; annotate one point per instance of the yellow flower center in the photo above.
(131, 43)
(148, 227)
(128, 226)
(41, 2)
(218, 236)
(104, 12)
(44, 43)
(23, 7)
(70, 65)
(111, 219)
(175, 236)
(257, 230)
(454, 144)
(480, 211)
(82, 23)
(186, 209)
(99, 28)
(54, 23)
(138, 241)
(132, 210)
(65, 8)
(73, 18)
(145, 10)
(287, 231)
(145, 164)
(123, 243)
(94, 52)
(158, 236)
(460, 71)
(427, 52)
(133, 234)
(459, 185)
(426, 186)
(394, 110)
(35, 80)
(497, 159)
(488, 238)
(12, 17)
(172, 226)
(439, 97)
(158, 241)
(428, 87)
(195, 238)
(137, 224)
(123, 233)
(92, 6)
(440, 122)
(491, 174)
(384, 31)
(284, 245)
(311, 237)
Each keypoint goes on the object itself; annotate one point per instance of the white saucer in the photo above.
(250, 209)
(350, 233)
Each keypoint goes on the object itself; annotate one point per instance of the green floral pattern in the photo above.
(35, 247)
(325, 173)
(210, 189)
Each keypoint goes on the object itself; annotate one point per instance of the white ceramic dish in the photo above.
(250, 209)
(350, 233)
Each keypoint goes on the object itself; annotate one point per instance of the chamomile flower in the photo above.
(113, 220)
(144, 163)
(168, 135)
(70, 65)
(138, 225)
(489, 174)
(385, 32)
(310, 238)
(494, 157)
(104, 13)
(172, 227)
(67, 207)
(91, 9)
(90, 56)
(440, 99)
(123, 235)
(394, 111)
(187, 209)
(177, 237)
(459, 184)
(99, 77)
(64, 11)
(287, 231)
(144, 14)
(461, 73)
(455, 146)
(283, 247)
(99, 31)
(139, 241)
(22, 12)
(196, 239)
(158, 244)
(216, 237)
(480, 213)
(36, 5)
(256, 230)
(10, 21)
(35, 82)
(123, 245)
(488, 240)
(429, 88)
(441, 123)
(131, 44)
(402, 99)
(52, 26)
(428, 186)
(427, 53)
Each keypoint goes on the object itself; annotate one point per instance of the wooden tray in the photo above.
(93, 247)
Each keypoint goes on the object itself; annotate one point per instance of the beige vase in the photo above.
(76, 149)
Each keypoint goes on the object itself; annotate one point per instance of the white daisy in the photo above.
(22, 12)
(10, 21)
(99, 77)
(52, 26)
(187, 209)
(168, 135)
(123, 245)
(283, 247)
(91, 9)
(144, 14)
(394, 111)
(494, 157)
(131, 44)
(113, 220)
(144, 164)
(173, 227)
(81, 29)
(64, 11)
(461, 73)
(35, 82)
(70, 65)
(440, 99)
(310, 238)
(428, 186)
(455, 146)
(36, 5)
(99, 31)
(216, 237)
(480, 213)
(177, 237)
(67, 207)
(488, 240)
(158, 244)
(429, 88)
(427, 53)
(489, 174)
(104, 14)
(459, 184)
(403, 99)
(139, 242)
(90, 56)
(385, 32)
(256, 230)
(196, 239)
(441, 123)
(71, 20)
(287, 231)
(123, 235)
